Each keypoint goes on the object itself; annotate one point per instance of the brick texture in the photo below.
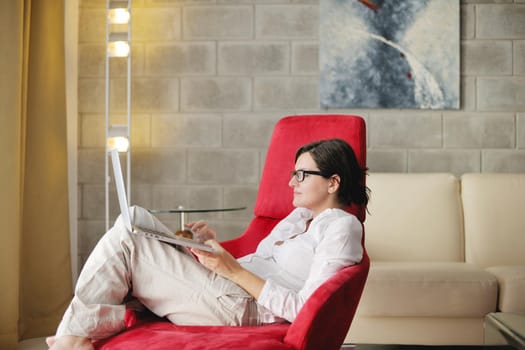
(211, 78)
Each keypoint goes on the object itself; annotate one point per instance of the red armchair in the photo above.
(325, 319)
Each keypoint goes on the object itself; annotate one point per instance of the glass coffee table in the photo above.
(182, 211)
(507, 326)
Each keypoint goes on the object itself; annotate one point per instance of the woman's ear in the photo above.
(333, 183)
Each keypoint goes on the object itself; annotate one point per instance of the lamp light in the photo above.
(120, 143)
(118, 49)
(118, 138)
(118, 16)
(118, 44)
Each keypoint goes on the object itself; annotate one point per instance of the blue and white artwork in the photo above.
(390, 54)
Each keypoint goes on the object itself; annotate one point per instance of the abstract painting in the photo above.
(390, 54)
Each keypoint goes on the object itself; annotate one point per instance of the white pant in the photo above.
(168, 281)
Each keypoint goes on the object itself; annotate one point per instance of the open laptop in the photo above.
(134, 229)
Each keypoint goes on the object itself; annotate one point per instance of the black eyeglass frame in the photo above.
(299, 175)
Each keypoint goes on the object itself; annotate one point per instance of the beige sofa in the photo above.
(445, 251)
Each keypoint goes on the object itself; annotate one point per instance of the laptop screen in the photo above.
(121, 192)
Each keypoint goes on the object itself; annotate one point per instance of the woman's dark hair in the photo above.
(335, 156)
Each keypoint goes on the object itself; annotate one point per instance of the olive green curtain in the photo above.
(35, 272)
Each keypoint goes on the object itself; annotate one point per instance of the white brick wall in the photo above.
(211, 77)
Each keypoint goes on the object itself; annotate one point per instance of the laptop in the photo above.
(167, 237)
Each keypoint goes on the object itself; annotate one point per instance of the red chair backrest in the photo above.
(274, 199)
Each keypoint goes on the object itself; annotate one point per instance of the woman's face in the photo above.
(314, 192)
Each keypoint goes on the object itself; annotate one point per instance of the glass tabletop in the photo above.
(510, 325)
(192, 210)
(182, 211)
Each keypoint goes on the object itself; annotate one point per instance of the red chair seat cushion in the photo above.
(165, 335)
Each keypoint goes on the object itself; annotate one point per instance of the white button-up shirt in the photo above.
(295, 260)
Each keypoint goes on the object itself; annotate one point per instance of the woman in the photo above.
(310, 245)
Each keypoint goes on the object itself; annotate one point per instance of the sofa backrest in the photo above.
(414, 217)
(494, 211)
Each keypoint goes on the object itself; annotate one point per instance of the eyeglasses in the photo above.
(300, 174)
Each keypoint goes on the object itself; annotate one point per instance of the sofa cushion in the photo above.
(428, 290)
(511, 287)
(493, 206)
(414, 217)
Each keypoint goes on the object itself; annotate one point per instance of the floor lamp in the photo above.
(118, 47)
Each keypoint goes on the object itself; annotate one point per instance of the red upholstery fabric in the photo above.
(161, 335)
(274, 199)
(324, 320)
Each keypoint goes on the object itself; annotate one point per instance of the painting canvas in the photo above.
(390, 54)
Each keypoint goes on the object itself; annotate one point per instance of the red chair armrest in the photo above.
(325, 319)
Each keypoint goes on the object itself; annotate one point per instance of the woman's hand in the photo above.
(201, 231)
(224, 264)
(218, 261)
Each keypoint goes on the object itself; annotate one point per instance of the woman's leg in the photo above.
(97, 309)
(173, 284)
(168, 281)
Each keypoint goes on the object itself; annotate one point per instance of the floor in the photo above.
(420, 347)
(33, 344)
(40, 344)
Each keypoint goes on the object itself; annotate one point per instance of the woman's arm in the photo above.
(224, 264)
(339, 247)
